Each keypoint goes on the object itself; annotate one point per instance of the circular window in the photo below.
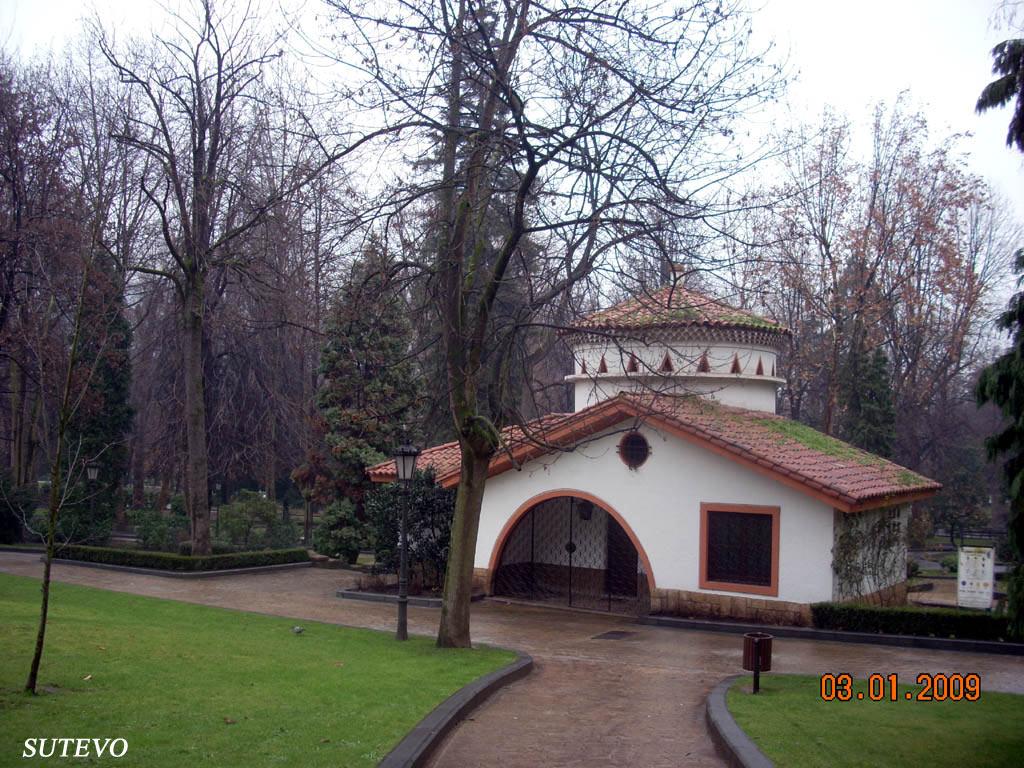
(633, 449)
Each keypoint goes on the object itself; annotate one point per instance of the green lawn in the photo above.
(189, 685)
(794, 727)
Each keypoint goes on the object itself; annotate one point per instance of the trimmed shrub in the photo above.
(951, 563)
(76, 523)
(217, 547)
(339, 533)
(165, 561)
(430, 508)
(177, 503)
(906, 620)
(281, 533)
(157, 531)
(245, 520)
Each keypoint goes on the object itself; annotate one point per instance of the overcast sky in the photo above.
(849, 55)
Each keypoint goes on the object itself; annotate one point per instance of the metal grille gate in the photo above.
(568, 551)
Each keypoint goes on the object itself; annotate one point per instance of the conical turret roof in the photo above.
(671, 307)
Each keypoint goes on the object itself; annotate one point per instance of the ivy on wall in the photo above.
(868, 554)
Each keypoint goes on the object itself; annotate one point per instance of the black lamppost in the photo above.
(405, 465)
(216, 498)
(92, 471)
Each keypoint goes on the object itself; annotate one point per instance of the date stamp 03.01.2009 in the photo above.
(878, 687)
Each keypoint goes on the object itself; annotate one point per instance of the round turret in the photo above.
(677, 341)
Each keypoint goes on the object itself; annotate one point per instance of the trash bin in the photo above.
(757, 651)
(757, 655)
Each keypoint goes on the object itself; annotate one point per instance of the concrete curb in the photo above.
(416, 748)
(382, 597)
(866, 638)
(732, 743)
(183, 574)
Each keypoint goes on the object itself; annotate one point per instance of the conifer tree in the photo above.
(369, 385)
(98, 431)
(1008, 65)
(869, 416)
(1002, 384)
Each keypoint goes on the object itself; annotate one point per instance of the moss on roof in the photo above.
(907, 479)
(749, 320)
(820, 442)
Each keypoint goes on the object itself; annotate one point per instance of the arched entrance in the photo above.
(570, 549)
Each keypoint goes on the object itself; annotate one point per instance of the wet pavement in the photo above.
(637, 700)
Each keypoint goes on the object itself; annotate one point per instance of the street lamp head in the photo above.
(405, 461)
(92, 471)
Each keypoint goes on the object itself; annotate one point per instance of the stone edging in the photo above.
(867, 638)
(183, 574)
(733, 744)
(418, 745)
(384, 597)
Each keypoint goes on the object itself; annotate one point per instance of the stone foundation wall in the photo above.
(677, 602)
(894, 595)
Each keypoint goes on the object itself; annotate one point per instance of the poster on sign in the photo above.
(975, 577)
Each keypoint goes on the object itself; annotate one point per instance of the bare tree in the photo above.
(582, 133)
(202, 86)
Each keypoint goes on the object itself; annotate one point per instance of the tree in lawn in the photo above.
(868, 417)
(594, 129)
(1002, 383)
(369, 388)
(67, 464)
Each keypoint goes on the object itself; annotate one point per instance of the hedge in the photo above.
(216, 548)
(906, 620)
(165, 561)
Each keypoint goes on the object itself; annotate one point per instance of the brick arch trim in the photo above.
(510, 524)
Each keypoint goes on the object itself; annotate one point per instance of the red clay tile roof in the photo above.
(793, 453)
(674, 307)
(446, 459)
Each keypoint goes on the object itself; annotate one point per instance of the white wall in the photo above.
(756, 394)
(685, 355)
(661, 503)
(746, 389)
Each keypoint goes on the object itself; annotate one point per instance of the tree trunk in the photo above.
(64, 416)
(458, 583)
(196, 469)
(138, 467)
(140, 432)
(164, 496)
(44, 610)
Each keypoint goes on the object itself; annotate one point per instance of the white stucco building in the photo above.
(675, 488)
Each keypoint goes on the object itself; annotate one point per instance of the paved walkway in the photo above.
(635, 701)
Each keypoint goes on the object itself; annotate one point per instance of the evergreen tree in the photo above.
(369, 385)
(869, 416)
(98, 432)
(1008, 64)
(1002, 384)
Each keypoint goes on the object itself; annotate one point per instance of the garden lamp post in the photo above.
(405, 465)
(92, 471)
(216, 520)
